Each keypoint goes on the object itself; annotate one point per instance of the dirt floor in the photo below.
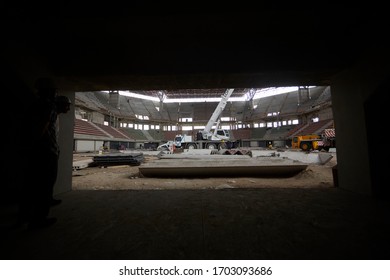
(128, 177)
(302, 217)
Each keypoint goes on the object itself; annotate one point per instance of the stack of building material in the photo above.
(118, 159)
(237, 152)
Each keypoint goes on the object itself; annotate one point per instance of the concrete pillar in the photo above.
(350, 90)
(352, 154)
(65, 140)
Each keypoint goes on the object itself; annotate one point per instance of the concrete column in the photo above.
(350, 90)
(65, 140)
(352, 153)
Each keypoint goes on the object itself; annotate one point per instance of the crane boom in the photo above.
(205, 139)
(218, 110)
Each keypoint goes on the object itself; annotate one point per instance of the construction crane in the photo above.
(207, 138)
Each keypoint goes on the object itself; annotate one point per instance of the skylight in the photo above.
(260, 93)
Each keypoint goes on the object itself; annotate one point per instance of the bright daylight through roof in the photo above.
(260, 93)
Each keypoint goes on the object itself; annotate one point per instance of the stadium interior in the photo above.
(118, 120)
(92, 53)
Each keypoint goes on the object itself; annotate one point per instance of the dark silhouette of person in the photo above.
(37, 191)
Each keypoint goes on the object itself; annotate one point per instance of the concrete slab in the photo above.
(80, 164)
(324, 157)
(145, 152)
(310, 158)
(200, 156)
(184, 168)
(197, 151)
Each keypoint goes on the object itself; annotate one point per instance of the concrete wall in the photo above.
(326, 114)
(350, 90)
(88, 145)
(97, 117)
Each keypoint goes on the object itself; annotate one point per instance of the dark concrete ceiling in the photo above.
(154, 47)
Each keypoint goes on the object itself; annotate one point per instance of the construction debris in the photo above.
(304, 157)
(80, 164)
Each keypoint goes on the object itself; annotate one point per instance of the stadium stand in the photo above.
(88, 128)
(316, 127)
(302, 105)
